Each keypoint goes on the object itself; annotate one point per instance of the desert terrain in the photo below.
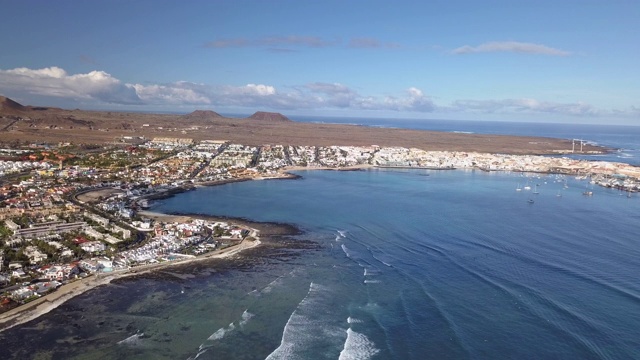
(26, 124)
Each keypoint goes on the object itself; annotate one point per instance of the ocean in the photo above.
(392, 264)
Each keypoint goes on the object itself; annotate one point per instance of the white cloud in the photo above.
(55, 82)
(260, 90)
(329, 88)
(510, 46)
(52, 72)
(178, 93)
(100, 88)
(524, 105)
(332, 95)
(415, 101)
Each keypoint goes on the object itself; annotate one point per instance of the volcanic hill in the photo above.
(268, 116)
(202, 115)
(10, 107)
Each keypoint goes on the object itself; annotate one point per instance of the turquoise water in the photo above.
(409, 264)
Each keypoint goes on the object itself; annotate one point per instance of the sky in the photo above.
(513, 60)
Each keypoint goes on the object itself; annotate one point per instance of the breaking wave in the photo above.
(309, 327)
(357, 347)
(133, 340)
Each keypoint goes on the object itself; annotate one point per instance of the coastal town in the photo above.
(69, 212)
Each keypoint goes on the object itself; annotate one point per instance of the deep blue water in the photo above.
(409, 264)
(453, 265)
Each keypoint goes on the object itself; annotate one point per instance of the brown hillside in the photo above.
(99, 127)
(203, 115)
(10, 107)
(268, 116)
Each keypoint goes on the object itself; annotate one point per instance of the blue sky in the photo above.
(548, 61)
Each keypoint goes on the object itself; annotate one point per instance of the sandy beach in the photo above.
(45, 304)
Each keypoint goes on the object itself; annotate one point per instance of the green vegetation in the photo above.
(5, 231)
(116, 158)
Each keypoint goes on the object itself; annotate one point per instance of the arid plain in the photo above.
(20, 123)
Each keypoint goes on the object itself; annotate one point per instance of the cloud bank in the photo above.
(510, 46)
(524, 106)
(98, 88)
(55, 82)
(101, 87)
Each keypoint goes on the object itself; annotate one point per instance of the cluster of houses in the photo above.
(10, 167)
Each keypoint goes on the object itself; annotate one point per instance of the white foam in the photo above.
(286, 345)
(357, 347)
(220, 333)
(370, 272)
(267, 289)
(309, 326)
(351, 320)
(132, 340)
(246, 316)
(342, 233)
(198, 354)
(382, 261)
(371, 281)
(346, 250)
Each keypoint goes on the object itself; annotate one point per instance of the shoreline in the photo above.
(34, 309)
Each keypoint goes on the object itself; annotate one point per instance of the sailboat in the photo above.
(535, 191)
(518, 188)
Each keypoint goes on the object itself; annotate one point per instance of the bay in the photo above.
(409, 264)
